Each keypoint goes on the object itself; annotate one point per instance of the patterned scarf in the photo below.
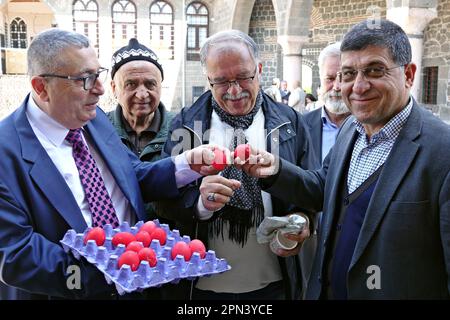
(245, 209)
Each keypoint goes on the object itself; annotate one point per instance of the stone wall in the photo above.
(263, 30)
(331, 19)
(13, 90)
(436, 52)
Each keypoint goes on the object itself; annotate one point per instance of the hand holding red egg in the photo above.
(242, 152)
(220, 161)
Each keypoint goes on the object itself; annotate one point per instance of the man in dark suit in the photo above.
(46, 145)
(385, 186)
(323, 125)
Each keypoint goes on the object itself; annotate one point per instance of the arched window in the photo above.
(18, 33)
(197, 28)
(124, 24)
(85, 20)
(162, 29)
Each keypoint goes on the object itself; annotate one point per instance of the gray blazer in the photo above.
(314, 121)
(406, 230)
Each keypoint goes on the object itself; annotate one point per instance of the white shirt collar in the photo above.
(50, 128)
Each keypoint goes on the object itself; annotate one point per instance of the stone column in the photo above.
(292, 57)
(413, 21)
(104, 34)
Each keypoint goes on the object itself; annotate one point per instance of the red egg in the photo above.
(220, 160)
(181, 248)
(160, 235)
(149, 227)
(148, 254)
(144, 237)
(135, 246)
(242, 151)
(97, 234)
(123, 237)
(130, 258)
(198, 246)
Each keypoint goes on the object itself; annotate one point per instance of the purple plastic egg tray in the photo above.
(166, 270)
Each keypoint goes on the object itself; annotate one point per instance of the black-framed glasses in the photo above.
(241, 82)
(349, 75)
(88, 81)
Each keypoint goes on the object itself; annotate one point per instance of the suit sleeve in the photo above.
(156, 179)
(33, 263)
(181, 209)
(300, 187)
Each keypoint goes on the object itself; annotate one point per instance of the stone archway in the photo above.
(293, 20)
(241, 15)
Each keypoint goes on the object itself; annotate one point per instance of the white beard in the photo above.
(335, 106)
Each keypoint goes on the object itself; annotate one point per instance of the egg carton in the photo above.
(166, 270)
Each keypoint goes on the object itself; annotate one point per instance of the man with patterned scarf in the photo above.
(224, 210)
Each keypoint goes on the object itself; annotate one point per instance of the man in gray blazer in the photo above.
(323, 124)
(385, 186)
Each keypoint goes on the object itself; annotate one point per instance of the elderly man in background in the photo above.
(140, 118)
(324, 124)
(297, 98)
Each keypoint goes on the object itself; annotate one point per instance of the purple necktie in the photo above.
(94, 187)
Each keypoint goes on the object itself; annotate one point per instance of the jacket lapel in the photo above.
(56, 190)
(335, 174)
(41, 168)
(315, 127)
(397, 164)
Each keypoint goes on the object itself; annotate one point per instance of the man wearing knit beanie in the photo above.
(140, 118)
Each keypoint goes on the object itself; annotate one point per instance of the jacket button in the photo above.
(275, 139)
(288, 131)
(156, 146)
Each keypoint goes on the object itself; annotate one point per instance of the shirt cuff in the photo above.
(183, 172)
(202, 212)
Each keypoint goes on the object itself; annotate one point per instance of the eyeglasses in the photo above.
(88, 81)
(349, 75)
(241, 82)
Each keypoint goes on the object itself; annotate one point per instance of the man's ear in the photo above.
(113, 88)
(39, 85)
(410, 72)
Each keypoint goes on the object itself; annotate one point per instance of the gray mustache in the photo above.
(336, 94)
(241, 95)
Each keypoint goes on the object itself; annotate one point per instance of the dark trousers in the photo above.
(273, 291)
